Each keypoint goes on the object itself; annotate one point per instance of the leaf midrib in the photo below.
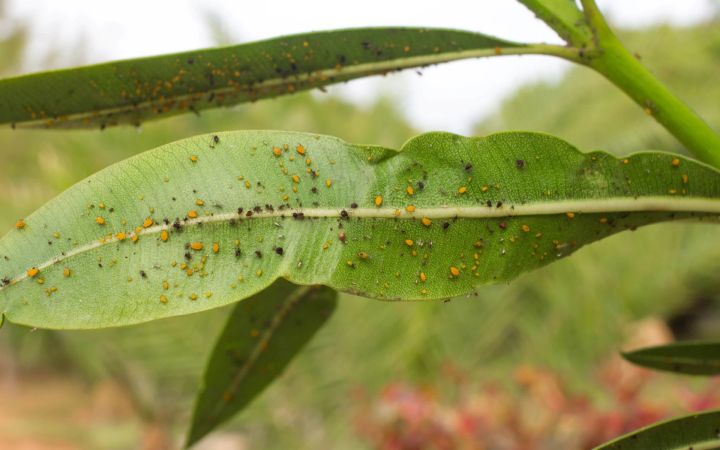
(585, 206)
(259, 347)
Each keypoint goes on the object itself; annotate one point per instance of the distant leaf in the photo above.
(692, 358)
(260, 338)
(209, 220)
(564, 17)
(696, 432)
(132, 91)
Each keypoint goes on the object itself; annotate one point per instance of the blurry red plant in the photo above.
(534, 410)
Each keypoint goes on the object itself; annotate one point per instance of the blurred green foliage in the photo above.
(567, 316)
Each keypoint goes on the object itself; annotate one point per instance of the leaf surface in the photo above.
(132, 91)
(691, 358)
(261, 336)
(696, 432)
(209, 220)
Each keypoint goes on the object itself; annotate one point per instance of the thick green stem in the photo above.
(615, 62)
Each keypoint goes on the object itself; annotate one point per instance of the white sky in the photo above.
(450, 97)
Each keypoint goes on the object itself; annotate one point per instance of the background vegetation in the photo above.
(378, 367)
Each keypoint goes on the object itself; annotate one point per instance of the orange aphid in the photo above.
(20, 224)
(462, 190)
(100, 220)
(277, 151)
(454, 271)
(215, 247)
(67, 272)
(410, 190)
(192, 214)
(120, 236)
(423, 277)
(409, 242)
(147, 223)
(425, 221)
(378, 200)
(196, 245)
(31, 272)
(410, 208)
(164, 235)
(300, 149)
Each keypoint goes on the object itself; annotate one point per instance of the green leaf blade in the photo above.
(261, 336)
(322, 211)
(690, 358)
(133, 91)
(698, 432)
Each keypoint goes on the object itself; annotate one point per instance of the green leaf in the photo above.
(132, 91)
(696, 432)
(564, 17)
(692, 358)
(435, 220)
(260, 338)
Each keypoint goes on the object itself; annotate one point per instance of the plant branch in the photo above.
(615, 62)
(595, 19)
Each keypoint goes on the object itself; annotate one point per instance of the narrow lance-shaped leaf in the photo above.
(261, 336)
(692, 358)
(696, 432)
(131, 91)
(209, 220)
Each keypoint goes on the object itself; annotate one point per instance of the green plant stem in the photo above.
(615, 62)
